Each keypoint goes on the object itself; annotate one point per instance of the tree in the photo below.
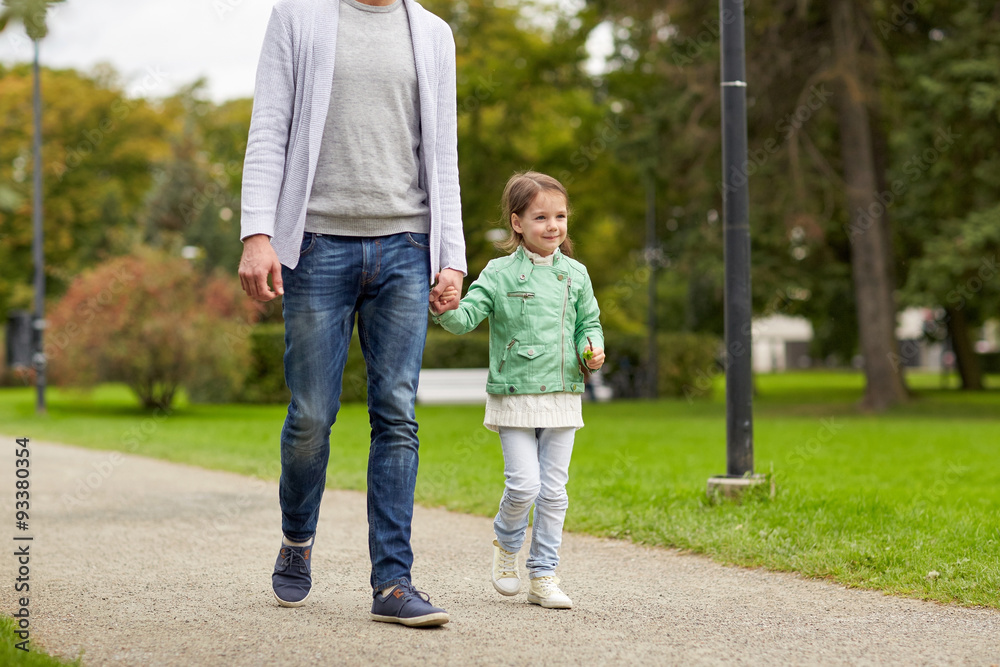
(33, 14)
(100, 147)
(943, 88)
(155, 323)
(870, 261)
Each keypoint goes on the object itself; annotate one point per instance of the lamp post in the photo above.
(736, 249)
(38, 357)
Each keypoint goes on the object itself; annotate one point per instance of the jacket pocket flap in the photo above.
(530, 351)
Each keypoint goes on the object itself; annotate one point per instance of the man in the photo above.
(351, 206)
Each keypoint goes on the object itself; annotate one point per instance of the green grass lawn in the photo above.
(878, 502)
(33, 657)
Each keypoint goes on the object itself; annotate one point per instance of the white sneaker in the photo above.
(505, 577)
(545, 591)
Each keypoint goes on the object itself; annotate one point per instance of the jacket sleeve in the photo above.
(452, 255)
(475, 306)
(588, 317)
(270, 124)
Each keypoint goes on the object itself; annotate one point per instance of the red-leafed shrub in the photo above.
(155, 323)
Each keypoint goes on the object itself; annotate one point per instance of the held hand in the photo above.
(594, 356)
(443, 302)
(257, 263)
(442, 281)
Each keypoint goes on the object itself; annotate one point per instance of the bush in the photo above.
(990, 362)
(154, 323)
(446, 350)
(265, 378)
(686, 364)
(264, 381)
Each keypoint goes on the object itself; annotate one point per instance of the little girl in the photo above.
(543, 328)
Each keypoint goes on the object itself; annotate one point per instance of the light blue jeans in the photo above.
(536, 467)
(382, 282)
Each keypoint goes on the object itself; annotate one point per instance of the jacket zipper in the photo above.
(503, 360)
(562, 336)
(523, 296)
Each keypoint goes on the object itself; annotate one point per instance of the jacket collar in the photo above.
(525, 266)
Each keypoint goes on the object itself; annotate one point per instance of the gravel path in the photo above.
(142, 562)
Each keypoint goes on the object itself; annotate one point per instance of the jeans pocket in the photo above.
(418, 241)
(308, 243)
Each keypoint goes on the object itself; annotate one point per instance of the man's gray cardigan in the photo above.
(291, 99)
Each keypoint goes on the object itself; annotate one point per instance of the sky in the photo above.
(155, 45)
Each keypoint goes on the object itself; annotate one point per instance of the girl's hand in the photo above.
(441, 304)
(597, 360)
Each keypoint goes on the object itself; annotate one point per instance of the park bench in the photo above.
(468, 385)
(452, 385)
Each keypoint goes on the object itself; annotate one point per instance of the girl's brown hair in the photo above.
(520, 191)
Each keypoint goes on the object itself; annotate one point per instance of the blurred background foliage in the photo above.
(124, 173)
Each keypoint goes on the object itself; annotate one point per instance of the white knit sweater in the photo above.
(291, 100)
(554, 410)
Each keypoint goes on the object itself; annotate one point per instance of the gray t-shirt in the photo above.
(368, 177)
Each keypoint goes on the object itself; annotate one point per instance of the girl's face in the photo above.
(543, 225)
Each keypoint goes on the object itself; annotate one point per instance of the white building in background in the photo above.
(781, 343)
(914, 349)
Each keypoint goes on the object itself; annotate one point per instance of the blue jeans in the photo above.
(384, 282)
(536, 468)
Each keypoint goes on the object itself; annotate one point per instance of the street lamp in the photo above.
(38, 358)
(736, 249)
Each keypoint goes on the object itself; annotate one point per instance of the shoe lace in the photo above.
(546, 586)
(290, 556)
(409, 591)
(507, 565)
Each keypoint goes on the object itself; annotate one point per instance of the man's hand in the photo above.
(442, 281)
(443, 302)
(258, 262)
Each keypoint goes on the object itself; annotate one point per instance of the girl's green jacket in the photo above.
(540, 319)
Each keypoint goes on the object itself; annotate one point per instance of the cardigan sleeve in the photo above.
(452, 254)
(270, 123)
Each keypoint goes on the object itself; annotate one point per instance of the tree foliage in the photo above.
(155, 323)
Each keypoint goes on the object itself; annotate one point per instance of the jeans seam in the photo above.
(378, 264)
(392, 582)
(309, 248)
(413, 242)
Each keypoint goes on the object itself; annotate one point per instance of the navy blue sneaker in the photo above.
(292, 578)
(405, 604)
